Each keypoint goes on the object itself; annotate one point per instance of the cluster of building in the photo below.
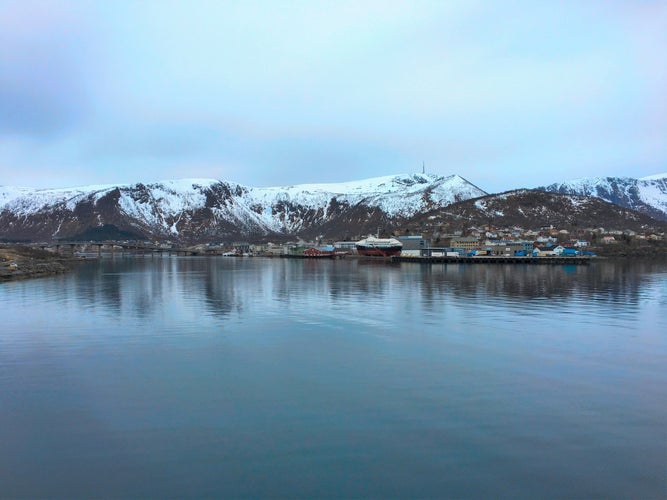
(515, 241)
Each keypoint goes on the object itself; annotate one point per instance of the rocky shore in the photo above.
(21, 262)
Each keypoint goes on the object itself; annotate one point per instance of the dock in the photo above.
(497, 259)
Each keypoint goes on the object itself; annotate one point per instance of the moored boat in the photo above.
(379, 247)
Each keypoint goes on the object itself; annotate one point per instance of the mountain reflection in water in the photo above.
(194, 376)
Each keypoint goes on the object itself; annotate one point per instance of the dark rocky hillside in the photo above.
(648, 195)
(534, 209)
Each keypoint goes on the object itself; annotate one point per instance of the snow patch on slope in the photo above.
(25, 201)
(654, 177)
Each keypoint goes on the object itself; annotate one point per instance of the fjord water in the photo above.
(191, 377)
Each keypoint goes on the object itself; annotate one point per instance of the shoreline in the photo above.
(18, 262)
(21, 262)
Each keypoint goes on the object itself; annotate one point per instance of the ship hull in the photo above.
(379, 251)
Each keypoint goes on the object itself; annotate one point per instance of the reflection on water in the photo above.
(223, 286)
(289, 378)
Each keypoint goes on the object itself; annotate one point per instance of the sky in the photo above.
(506, 94)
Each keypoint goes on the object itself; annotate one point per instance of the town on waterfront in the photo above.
(545, 241)
(486, 244)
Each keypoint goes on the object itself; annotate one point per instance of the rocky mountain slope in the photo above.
(203, 210)
(199, 210)
(647, 195)
(533, 209)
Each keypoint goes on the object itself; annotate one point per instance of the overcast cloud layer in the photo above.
(507, 94)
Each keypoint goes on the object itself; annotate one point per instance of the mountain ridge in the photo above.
(647, 194)
(534, 208)
(208, 209)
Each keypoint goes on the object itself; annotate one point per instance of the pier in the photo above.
(496, 259)
(144, 248)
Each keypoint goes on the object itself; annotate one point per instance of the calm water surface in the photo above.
(191, 377)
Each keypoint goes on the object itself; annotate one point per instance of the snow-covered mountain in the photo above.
(647, 195)
(208, 209)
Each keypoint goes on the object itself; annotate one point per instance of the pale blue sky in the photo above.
(504, 93)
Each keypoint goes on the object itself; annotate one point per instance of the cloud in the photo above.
(42, 91)
(292, 92)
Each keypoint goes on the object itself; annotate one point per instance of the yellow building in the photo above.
(467, 243)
